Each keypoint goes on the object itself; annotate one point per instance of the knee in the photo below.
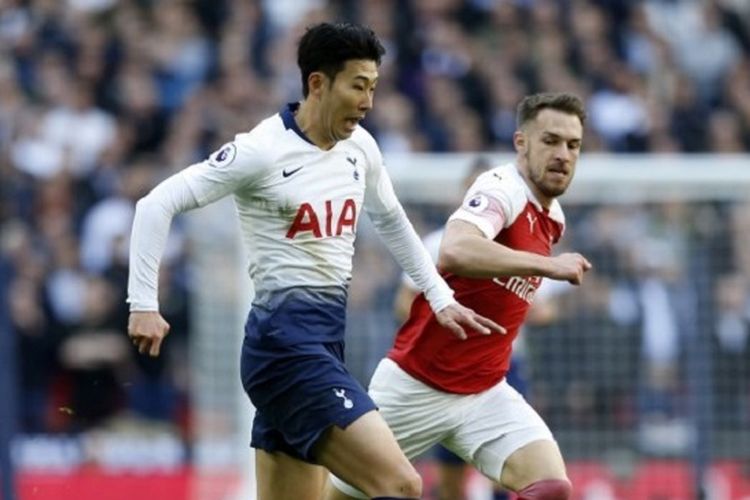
(407, 483)
(411, 485)
(547, 489)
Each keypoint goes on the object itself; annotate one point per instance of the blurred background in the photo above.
(643, 373)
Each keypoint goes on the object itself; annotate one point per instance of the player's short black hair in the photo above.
(326, 47)
(531, 105)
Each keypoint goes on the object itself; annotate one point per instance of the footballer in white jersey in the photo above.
(300, 181)
(298, 207)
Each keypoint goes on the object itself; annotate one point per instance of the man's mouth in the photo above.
(558, 171)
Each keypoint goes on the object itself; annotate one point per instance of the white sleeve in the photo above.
(432, 243)
(153, 216)
(491, 204)
(231, 167)
(390, 221)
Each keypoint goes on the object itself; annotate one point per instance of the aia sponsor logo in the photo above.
(333, 220)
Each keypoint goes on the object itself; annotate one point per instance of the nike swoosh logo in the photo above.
(287, 173)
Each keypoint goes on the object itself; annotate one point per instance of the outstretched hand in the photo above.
(570, 267)
(147, 330)
(456, 317)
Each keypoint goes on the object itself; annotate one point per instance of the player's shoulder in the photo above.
(265, 142)
(363, 137)
(265, 134)
(504, 181)
(363, 140)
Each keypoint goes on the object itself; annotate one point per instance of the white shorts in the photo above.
(484, 429)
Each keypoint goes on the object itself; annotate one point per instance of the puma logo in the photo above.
(532, 220)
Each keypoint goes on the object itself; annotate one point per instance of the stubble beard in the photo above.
(536, 175)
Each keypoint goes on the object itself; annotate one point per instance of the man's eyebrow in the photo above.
(366, 80)
(553, 135)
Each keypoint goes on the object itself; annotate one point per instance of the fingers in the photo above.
(459, 319)
(147, 332)
(146, 344)
(471, 320)
(156, 343)
(155, 347)
(143, 344)
(456, 330)
(491, 325)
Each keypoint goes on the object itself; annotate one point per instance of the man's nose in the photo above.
(366, 103)
(562, 152)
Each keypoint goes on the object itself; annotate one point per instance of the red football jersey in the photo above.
(502, 206)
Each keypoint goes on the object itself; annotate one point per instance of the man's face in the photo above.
(346, 100)
(550, 144)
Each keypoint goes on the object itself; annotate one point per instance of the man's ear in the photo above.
(519, 141)
(316, 81)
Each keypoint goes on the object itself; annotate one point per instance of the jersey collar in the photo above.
(287, 117)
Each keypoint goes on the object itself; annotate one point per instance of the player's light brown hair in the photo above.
(565, 102)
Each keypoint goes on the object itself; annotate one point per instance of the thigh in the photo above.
(418, 415)
(363, 453)
(500, 423)
(303, 391)
(533, 462)
(282, 477)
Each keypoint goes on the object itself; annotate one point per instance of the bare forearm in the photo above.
(477, 257)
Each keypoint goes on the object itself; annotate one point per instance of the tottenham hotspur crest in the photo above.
(353, 162)
(341, 393)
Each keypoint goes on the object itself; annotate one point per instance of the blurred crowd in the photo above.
(100, 99)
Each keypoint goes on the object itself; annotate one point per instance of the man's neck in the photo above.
(309, 122)
(543, 200)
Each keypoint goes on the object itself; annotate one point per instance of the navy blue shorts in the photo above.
(445, 456)
(296, 379)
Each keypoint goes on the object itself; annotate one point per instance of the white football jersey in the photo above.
(298, 207)
(497, 198)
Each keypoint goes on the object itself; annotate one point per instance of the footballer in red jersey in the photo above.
(435, 388)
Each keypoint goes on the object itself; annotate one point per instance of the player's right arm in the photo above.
(224, 172)
(390, 221)
(466, 251)
(468, 247)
